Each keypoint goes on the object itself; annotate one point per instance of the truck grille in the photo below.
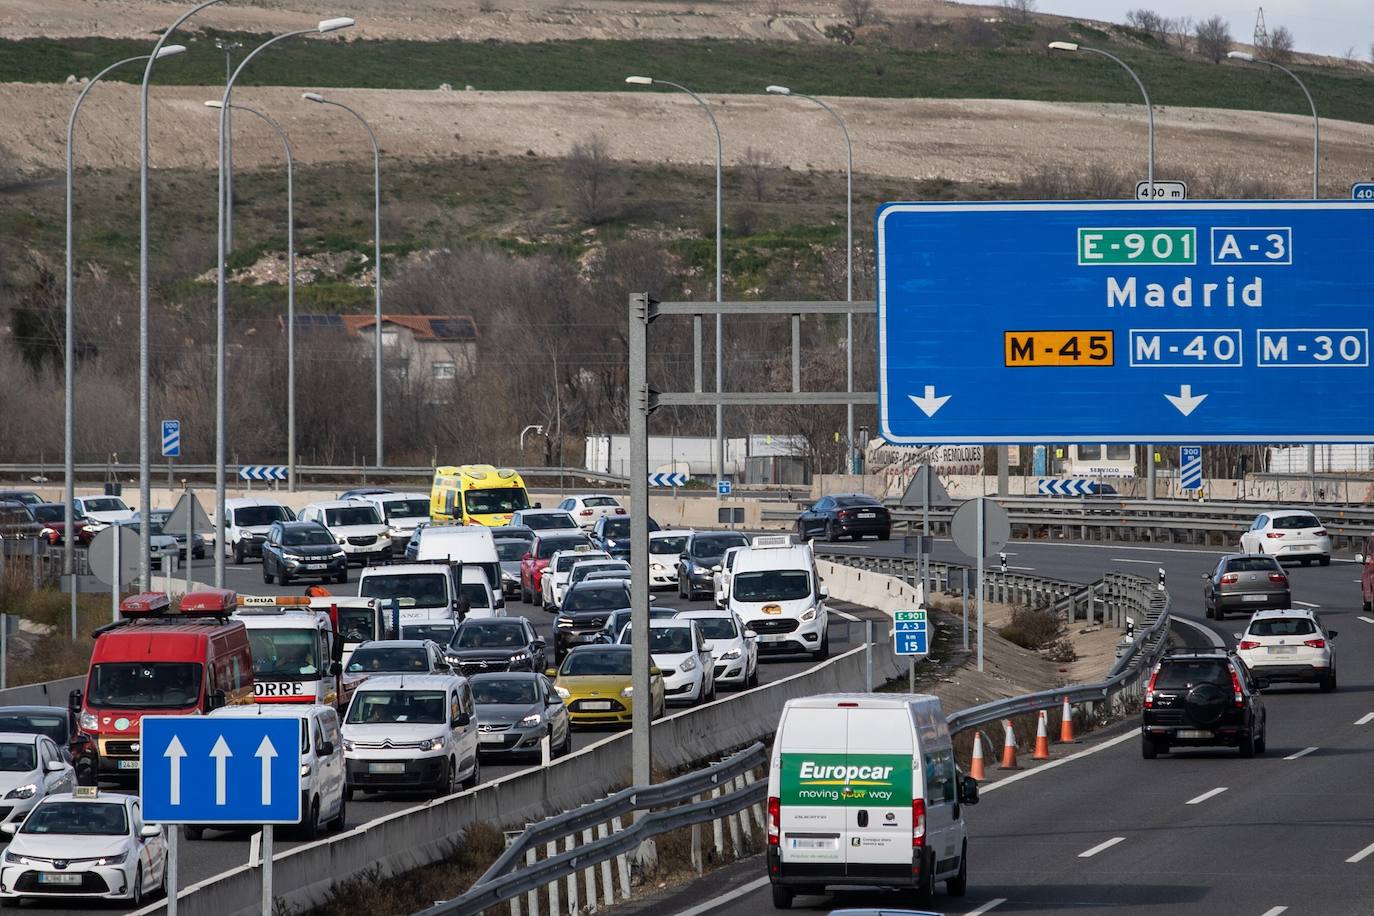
(363, 541)
(121, 748)
(772, 626)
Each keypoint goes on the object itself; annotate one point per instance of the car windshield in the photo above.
(1292, 522)
(772, 585)
(1252, 564)
(593, 663)
(104, 505)
(665, 640)
(312, 536)
(597, 599)
(353, 515)
(18, 758)
(439, 632)
(617, 527)
(284, 654)
(420, 707)
(261, 516)
(505, 691)
(717, 627)
(511, 550)
(65, 818)
(357, 624)
(549, 547)
(503, 500)
(51, 513)
(54, 726)
(541, 521)
(475, 593)
(713, 547)
(674, 544)
(407, 508)
(371, 659)
(1180, 675)
(427, 589)
(1282, 626)
(601, 501)
(144, 685)
(489, 634)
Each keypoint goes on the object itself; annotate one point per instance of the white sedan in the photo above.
(87, 845)
(1289, 534)
(31, 768)
(681, 652)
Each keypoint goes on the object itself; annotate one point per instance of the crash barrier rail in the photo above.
(729, 787)
(361, 473)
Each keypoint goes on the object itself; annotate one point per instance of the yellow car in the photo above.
(594, 682)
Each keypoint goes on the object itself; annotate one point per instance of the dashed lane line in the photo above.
(1211, 793)
(1101, 847)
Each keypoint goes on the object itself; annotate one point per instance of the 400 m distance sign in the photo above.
(1216, 321)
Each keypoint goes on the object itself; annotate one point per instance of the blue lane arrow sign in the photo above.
(212, 770)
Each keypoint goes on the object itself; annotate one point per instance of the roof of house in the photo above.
(424, 327)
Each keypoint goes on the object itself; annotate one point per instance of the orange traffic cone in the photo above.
(1009, 747)
(976, 768)
(1066, 724)
(1042, 739)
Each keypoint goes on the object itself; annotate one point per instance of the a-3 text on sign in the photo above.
(911, 632)
(1101, 322)
(213, 770)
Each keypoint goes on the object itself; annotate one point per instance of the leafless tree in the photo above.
(756, 164)
(1018, 10)
(1149, 22)
(1213, 39)
(1279, 47)
(859, 13)
(592, 180)
(1182, 29)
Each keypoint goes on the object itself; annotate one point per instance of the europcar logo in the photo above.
(846, 779)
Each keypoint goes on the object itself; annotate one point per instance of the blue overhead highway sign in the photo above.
(1216, 321)
(208, 770)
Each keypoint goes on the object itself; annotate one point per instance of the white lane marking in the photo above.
(1303, 603)
(1302, 753)
(1125, 560)
(1362, 854)
(1017, 777)
(1365, 719)
(987, 907)
(1211, 634)
(1211, 793)
(716, 902)
(1100, 847)
(1275, 911)
(1365, 619)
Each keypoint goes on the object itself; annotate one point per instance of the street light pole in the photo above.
(290, 285)
(848, 264)
(69, 344)
(222, 286)
(377, 261)
(1316, 122)
(229, 47)
(720, 333)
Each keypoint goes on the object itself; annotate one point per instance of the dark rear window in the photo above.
(1253, 564)
(1291, 522)
(845, 502)
(550, 546)
(1282, 626)
(1180, 675)
(596, 597)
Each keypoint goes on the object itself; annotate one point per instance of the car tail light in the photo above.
(844, 513)
(1249, 644)
(1236, 696)
(1150, 688)
(1319, 533)
(619, 511)
(1315, 643)
(585, 512)
(1278, 578)
(918, 822)
(774, 820)
(1230, 579)
(1274, 534)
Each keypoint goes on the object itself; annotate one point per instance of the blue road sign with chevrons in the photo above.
(1072, 486)
(1190, 467)
(666, 479)
(262, 472)
(171, 438)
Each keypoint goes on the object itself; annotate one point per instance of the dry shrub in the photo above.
(1033, 628)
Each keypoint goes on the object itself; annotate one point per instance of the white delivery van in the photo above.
(430, 591)
(863, 790)
(775, 590)
(471, 545)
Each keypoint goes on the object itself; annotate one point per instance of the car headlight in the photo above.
(610, 542)
(730, 653)
(89, 721)
(809, 615)
(293, 557)
(689, 664)
(628, 692)
(519, 657)
(561, 691)
(347, 745)
(428, 744)
(117, 859)
(532, 719)
(12, 859)
(342, 541)
(564, 622)
(24, 791)
(453, 660)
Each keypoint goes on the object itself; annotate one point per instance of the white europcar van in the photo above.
(775, 590)
(863, 790)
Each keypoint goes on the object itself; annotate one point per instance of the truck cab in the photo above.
(297, 650)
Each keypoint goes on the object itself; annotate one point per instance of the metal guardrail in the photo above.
(505, 881)
(303, 471)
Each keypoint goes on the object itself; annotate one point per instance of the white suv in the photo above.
(1289, 534)
(246, 522)
(405, 732)
(587, 509)
(356, 524)
(403, 512)
(1289, 645)
(554, 578)
(734, 649)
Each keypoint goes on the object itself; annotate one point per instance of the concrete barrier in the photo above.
(868, 589)
(48, 693)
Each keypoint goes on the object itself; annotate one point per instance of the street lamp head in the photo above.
(1063, 46)
(170, 51)
(778, 90)
(313, 97)
(639, 80)
(333, 25)
(214, 103)
(1241, 55)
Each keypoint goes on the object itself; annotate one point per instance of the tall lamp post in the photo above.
(720, 334)
(229, 47)
(848, 264)
(69, 345)
(290, 283)
(377, 257)
(1150, 184)
(222, 286)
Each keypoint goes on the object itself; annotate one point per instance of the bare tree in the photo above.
(1182, 29)
(592, 179)
(1149, 22)
(756, 164)
(859, 13)
(1213, 39)
(1018, 10)
(1279, 47)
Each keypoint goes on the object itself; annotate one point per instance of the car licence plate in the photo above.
(386, 768)
(127, 765)
(492, 739)
(1283, 650)
(1192, 733)
(867, 515)
(772, 637)
(1256, 598)
(48, 877)
(813, 842)
(595, 704)
(317, 566)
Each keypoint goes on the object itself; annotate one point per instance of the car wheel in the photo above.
(348, 793)
(567, 741)
(1368, 605)
(266, 574)
(753, 679)
(283, 577)
(1148, 749)
(310, 827)
(238, 554)
(447, 783)
(782, 897)
(957, 887)
(1324, 561)
(340, 820)
(1247, 745)
(1328, 683)
(823, 650)
(926, 889)
(342, 577)
(162, 885)
(195, 833)
(1208, 612)
(136, 898)
(1262, 740)
(831, 534)
(476, 777)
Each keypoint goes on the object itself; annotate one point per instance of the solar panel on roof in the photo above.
(453, 328)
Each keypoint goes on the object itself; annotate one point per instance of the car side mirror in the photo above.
(55, 766)
(335, 669)
(74, 701)
(1238, 636)
(653, 599)
(1331, 634)
(1206, 576)
(968, 791)
(825, 591)
(461, 720)
(325, 749)
(715, 568)
(550, 672)
(1359, 558)
(217, 699)
(538, 505)
(538, 644)
(148, 832)
(527, 556)
(1261, 683)
(654, 670)
(9, 829)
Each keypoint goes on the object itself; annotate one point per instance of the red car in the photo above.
(53, 516)
(544, 547)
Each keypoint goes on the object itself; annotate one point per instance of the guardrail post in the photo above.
(755, 810)
(590, 873)
(551, 850)
(622, 864)
(698, 863)
(569, 844)
(868, 656)
(607, 887)
(718, 830)
(532, 898)
(737, 784)
(735, 842)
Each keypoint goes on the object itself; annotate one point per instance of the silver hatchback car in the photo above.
(1245, 582)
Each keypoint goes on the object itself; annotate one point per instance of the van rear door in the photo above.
(811, 815)
(878, 788)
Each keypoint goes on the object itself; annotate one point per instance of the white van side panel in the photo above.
(810, 832)
(878, 821)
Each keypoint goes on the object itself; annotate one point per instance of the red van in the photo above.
(156, 661)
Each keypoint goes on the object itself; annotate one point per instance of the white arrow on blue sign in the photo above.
(212, 770)
(262, 472)
(171, 438)
(911, 632)
(667, 479)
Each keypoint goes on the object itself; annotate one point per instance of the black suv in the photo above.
(302, 550)
(583, 615)
(495, 644)
(1203, 698)
(700, 557)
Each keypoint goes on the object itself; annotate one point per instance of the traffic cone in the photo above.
(1009, 747)
(976, 768)
(1066, 724)
(1042, 739)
